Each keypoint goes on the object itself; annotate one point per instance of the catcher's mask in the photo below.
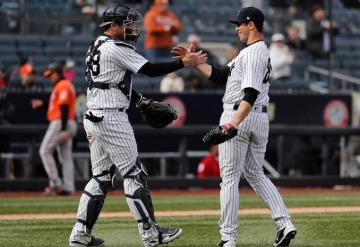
(130, 19)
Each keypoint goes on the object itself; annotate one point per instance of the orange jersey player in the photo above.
(61, 130)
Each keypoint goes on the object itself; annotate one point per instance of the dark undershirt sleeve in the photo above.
(250, 95)
(219, 75)
(64, 116)
(158, 69)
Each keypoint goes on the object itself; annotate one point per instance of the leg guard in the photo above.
(94, 206)
(137, 194)
(140, 203)
(91, 203)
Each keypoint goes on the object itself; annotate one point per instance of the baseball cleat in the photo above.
(168, 234)
(284, 236)
(93, 242)
(57, 191)
(228, 243)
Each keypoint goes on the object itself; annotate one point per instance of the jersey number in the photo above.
(93, 63)
(93, 58)
(268, 73)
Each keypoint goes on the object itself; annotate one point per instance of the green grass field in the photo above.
(328, 230)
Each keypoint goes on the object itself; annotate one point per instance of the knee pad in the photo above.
(92, 201)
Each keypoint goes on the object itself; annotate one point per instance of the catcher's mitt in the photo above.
(216, 135)
(156, 114)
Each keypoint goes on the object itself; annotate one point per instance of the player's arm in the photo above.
(158, 69)
(214, 74)
(245, 106)
(64, 134)
(64, 109)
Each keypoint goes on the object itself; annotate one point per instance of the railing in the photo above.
(280, 132)
(346, 82)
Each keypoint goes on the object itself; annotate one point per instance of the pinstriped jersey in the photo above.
(251, 68)
(112, 64)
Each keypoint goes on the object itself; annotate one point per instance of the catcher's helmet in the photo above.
(129, 18)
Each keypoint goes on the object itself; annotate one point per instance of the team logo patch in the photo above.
(336, 114)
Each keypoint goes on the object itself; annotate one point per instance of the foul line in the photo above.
(258, 211)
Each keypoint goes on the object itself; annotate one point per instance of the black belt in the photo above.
(103, 86)
(123, 109)
(263, 108)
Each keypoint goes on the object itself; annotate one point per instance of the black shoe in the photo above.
(168, 234)
(284, 236)
(227, 243)
(93, 242)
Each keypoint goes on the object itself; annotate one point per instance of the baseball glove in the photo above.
(216, 135)
(156, 114)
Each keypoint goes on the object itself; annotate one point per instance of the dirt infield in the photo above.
(259, 211)
(285, 191)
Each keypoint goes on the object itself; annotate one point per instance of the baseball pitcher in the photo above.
(244, 128)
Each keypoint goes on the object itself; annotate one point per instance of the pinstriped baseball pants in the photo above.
(244, 155)
(112, 141)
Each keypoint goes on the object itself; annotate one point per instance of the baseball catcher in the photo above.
(156, 114)
(220, 134)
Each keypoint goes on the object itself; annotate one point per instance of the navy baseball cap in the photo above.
(245, 15)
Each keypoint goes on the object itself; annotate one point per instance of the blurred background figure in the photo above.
(318, 28)
(281, 57)
(196, 41)
(294, 41)
(209, 165)
(26, 72)
(172, 83)
(161, 25)
(301, 8)
(68, 72)
(61, 130)
(195, 80)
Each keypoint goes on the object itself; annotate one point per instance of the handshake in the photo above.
(188, 56)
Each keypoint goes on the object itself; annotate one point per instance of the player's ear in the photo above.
(251, 26)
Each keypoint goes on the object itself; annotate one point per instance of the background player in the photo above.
(61, 130)
(247, 79)
(209, 165)
(111, 60)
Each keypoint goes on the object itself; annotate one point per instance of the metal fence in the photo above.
(278, 133)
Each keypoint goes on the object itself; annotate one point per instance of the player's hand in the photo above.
(64, 136)
(220, 134)
(193, 58)
(179, 52)
(36, 103)
(228, 128)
